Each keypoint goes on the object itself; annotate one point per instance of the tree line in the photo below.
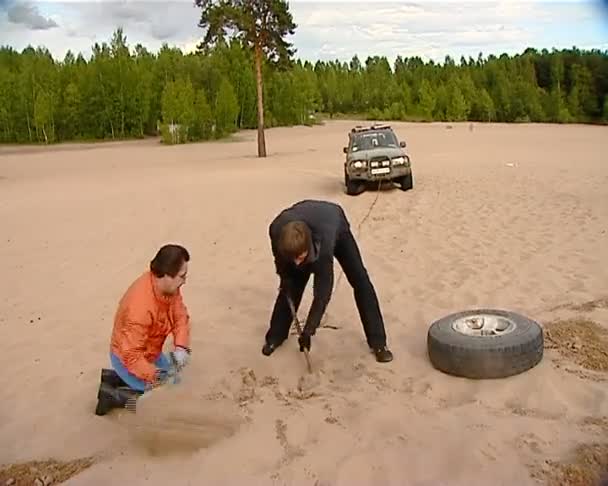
(122, 92)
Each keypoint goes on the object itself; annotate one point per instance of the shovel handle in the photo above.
(296, 321)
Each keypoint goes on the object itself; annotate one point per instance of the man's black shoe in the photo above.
(268, 349)
(109, 397)
(110, 377)
(383, 354)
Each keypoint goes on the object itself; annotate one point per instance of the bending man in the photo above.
(305, 238)
(150, 310)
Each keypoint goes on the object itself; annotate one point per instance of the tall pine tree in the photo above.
(262, 25)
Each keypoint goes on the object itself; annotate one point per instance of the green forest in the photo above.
(124, 92)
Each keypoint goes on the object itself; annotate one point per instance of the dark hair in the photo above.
(169, 260)
(295, 239)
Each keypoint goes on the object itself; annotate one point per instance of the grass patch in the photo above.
(587, 465)
(42, 472)
(579, 340)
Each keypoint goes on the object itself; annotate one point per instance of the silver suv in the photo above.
(375, 154)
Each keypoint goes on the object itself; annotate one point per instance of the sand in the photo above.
(514, 217)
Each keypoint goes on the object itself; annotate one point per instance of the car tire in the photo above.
(352, 188)
(406, 182)
(455, 347)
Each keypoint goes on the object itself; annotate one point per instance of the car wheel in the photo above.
(352, 188)
(406, 182)
(485, 343)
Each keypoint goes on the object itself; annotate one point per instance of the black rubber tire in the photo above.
(407, 182)
(485, 357)
(352, 188)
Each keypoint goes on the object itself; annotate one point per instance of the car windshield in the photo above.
(373, 140)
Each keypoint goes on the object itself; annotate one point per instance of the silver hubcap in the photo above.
(484, 325)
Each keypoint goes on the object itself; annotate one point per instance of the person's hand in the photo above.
(304, 341)
(182, 357)
(160, 377)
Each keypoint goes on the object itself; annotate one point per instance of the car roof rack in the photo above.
(361, 128)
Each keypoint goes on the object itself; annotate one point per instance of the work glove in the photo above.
(304, 341)
(160, 378)
(181, 356)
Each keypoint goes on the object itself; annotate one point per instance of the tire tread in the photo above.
(485, 358)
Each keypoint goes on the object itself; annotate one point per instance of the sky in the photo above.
(327, 30)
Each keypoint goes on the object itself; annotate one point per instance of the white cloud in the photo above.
(434, 29)
(26, 14)
(326, 30)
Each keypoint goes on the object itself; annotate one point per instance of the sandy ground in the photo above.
(514, 217)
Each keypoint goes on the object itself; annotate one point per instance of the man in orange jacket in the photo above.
(150, 310)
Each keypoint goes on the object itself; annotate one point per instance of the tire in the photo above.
(352, 188)
(485, 357)
(407, 182)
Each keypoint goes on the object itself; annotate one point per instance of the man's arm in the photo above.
(137, 326)
(181, 323)
(322, 290)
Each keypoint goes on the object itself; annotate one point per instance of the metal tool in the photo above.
(296, 322)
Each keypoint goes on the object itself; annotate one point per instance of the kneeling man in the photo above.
(150, 310)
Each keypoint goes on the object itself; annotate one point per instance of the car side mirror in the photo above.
(402, 144)
(344, 149)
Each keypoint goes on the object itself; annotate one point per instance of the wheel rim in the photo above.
(484, 325)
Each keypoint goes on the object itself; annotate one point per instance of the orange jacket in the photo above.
(142, 323)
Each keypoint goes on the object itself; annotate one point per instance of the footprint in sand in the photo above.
(517, 409)
(290, 451)
(532, 442)
(247, 392)
(408, 386)
(412, 386)
(595, 425)
(344, 377)
(331, 418)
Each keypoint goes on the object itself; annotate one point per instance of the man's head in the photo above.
(294, 241)
(170, 267)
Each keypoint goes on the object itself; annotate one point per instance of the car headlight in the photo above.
(359, 164)
(399, 161)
